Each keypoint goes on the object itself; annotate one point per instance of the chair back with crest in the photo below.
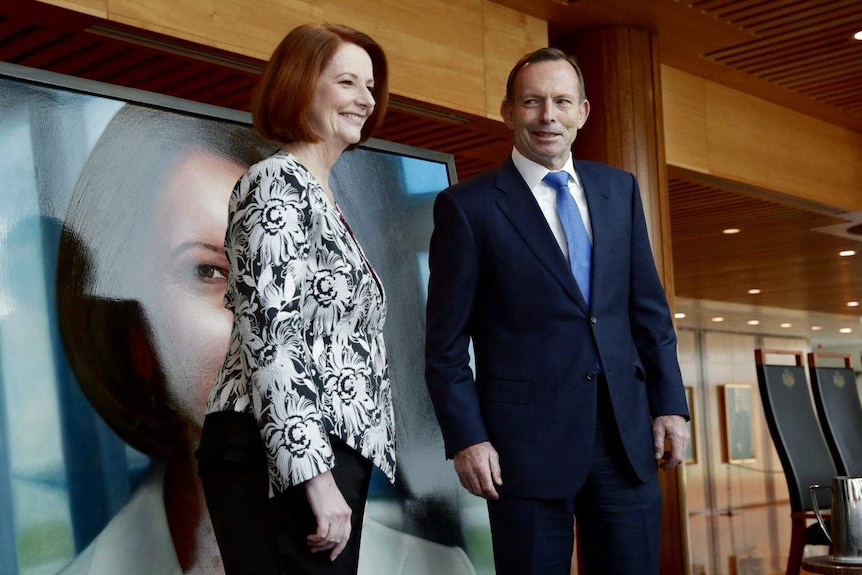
(837, 400)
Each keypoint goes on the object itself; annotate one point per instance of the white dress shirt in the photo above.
(546, 195)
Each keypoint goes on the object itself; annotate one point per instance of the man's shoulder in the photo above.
(600, 169)
(485, 186)
(483, 181)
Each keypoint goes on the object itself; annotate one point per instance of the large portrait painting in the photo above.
(113, 208)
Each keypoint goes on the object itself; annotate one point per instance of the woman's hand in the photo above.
(332, 514)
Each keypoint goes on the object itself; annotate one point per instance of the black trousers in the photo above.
(619, 517)
(259, 535)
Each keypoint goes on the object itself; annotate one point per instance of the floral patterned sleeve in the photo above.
(268, 244)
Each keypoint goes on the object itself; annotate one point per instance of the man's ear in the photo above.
(506, 112)
(583, 113)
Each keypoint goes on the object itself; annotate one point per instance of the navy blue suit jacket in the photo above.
(499, 277)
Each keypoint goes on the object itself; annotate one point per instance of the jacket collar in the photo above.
(519, 206)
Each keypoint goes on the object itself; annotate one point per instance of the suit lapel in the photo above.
(520, 208)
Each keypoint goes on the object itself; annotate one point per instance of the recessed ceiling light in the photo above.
(858, 35)
(847, 253)
(717, 319)
(754, 291)
(816, 327)
(852, 304)
(787, 325)
(730, 231)
(679, 315)
(753, 322)
(845, 330)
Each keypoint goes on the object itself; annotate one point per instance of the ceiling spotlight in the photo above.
(730, 231)
(787, 325)
(852, 304)
(717, 319)
(679, 315)
(816, 327)
(845, 330)
(858, 35)
(753, 322)
(847, 253)
(754, 291)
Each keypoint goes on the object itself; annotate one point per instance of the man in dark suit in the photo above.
(577, 383)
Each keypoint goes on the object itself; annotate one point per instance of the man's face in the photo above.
(546, 112)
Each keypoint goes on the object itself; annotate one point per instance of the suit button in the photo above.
(591, 375)
(593, 319)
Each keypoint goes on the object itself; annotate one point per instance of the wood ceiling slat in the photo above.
(413, 130)
(748, 17)
(837, 90)
(809, 35)
(462, 139)
(797, 58)
(776, 251)
(143, 67)
(217, 83)
(53, 56)
(41, 56)
(19, 39)
(86, 52)
(105, 68)
(709, 6)
(159, 82)
(189, 83)
(819, 77)
(229, 85)
(803, 66)
(834, 10)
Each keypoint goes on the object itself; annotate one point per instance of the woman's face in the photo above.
(344, 97)
(185, 279)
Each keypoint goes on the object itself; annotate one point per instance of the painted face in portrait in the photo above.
(142, 274)
(546, 112)
(187, 276)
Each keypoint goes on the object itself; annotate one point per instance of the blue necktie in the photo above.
(580, 246)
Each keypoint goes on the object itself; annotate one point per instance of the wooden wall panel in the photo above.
(716, 130)
(442, 52)
(508, 34)
(438, 37)
(684, 106)
(92, 7)
(755, 142)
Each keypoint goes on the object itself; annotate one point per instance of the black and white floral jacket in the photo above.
(306, 353)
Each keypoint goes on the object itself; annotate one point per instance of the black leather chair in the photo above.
(800, 445)
(837, 400)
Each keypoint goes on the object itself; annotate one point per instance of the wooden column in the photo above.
(625, 129)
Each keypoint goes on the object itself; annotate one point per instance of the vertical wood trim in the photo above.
(622, 73)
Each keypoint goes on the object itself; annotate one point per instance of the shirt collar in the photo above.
(533, 172)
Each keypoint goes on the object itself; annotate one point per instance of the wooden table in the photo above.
(822, 566)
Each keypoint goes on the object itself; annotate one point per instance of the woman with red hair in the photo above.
(301, 408)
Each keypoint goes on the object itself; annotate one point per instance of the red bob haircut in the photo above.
(287, 87)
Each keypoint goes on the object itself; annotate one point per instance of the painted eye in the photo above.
(207, 272)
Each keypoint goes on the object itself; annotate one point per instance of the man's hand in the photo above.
(332, 513)
(478, 467)
(675, 429)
